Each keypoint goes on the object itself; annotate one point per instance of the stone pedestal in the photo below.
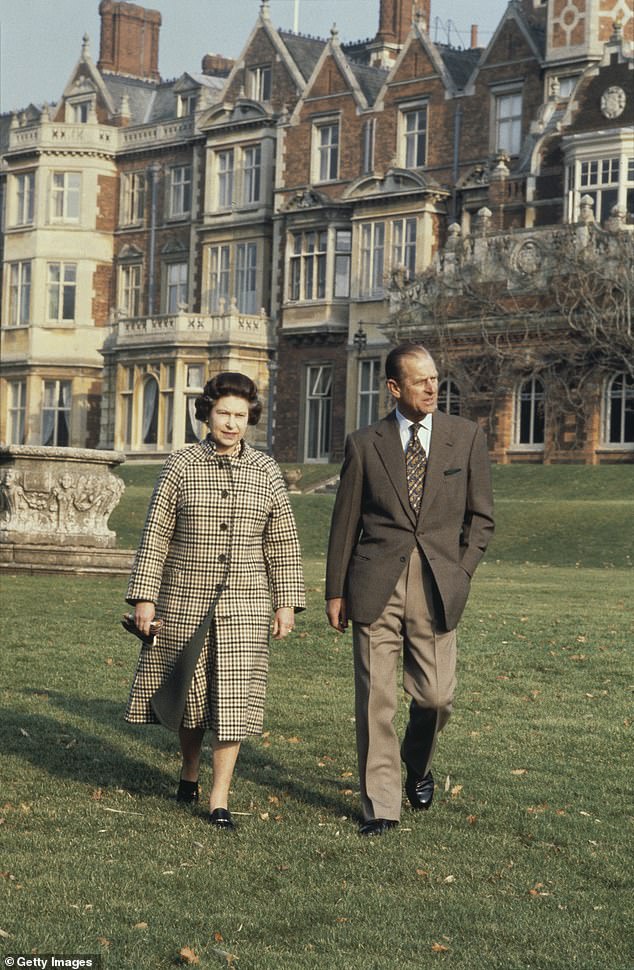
(54, 509)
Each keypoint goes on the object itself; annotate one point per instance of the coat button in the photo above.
(223, 526)
(224, 493)
(403, 558)
(222, 557)
(219, 588)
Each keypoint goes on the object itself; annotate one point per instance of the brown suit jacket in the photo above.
(374, 528)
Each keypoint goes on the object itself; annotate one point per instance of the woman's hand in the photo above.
(283, 622)
(143, 615)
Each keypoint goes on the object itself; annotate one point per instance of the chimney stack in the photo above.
(129, 40)
(396, 18)
(474, 35)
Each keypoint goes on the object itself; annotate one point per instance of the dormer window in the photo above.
(79, 111)
(187, 104)
(259, 83)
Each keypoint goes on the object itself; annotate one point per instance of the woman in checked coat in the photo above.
(218, 550)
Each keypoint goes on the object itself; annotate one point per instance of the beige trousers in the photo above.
(408, 624)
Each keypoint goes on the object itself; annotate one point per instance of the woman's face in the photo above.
(228, 421)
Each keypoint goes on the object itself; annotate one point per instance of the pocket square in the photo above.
(452, 471)
(130, 626)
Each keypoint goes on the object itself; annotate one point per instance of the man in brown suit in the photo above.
(412, 519)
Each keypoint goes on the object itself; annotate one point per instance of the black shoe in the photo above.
(420, 791)
(188, 792)
(377, 826)
(221, 818)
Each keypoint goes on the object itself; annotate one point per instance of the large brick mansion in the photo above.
(274, 214)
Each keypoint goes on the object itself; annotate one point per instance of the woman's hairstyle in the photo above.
(393, 369)
(223, 385)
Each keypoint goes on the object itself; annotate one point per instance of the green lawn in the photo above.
(522, 864)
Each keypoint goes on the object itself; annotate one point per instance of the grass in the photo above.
(522, 863)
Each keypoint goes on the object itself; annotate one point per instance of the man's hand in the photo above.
(337, 613)
(143, 615)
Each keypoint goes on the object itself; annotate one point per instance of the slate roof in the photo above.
(305, 51)
(141, 95)
(370, 79)
(459, 63)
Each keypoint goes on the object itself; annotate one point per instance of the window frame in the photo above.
(65, 198)
(368, 397)
(131, 290)
(57, 409)
(65, 287)
(16, 412)
(180, 191)
(176, 289)
(372, 260)
(530, 401)
(19, 293)
(24, 198)
(319, 406)
(133, 193)
(500, 95)
(625, 398)
(225, 178)
(449, 396)
(414, 142)
(326, 154)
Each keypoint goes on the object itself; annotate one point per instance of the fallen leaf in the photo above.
(472, 819)
(25, 734)
(455, 791)
(187, 955)
(518, 771)
(294, 740)
(218, 937)
(4, 934)
(422, 872)
(140, 926)
(103, 941)
(264, 816)
(449, 879)
(439, 948)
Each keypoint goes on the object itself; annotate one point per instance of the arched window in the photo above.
(150, 410)
(449, 396)
(619, 410)
(529, 413)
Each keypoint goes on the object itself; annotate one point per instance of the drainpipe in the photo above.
(153, 171)
(457, 126)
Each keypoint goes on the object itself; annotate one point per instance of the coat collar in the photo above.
(387, 441)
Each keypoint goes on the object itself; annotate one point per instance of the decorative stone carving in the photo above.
(613, 102)
(58, 496)
(528, 258)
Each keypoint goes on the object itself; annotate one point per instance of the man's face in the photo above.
(416, 390)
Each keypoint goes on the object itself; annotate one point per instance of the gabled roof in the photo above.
(459, 63)
(533, 34)
(304, 50)
(369, 79)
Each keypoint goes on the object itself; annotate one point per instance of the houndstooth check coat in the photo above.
(218, 530)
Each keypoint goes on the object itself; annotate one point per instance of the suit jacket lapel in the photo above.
(390, 450)
(439, 451)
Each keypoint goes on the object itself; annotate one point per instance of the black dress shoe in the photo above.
(222, 819)
(188, 792)
(377, 826)
(420, 791)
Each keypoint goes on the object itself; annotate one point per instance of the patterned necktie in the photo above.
(415, 464)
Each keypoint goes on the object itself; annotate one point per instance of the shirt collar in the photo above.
(405, 423)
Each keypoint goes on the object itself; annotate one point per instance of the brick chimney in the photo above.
(397, 16)
(216, 65)
(129, 40)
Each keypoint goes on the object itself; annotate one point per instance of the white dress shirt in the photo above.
(424, 434)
